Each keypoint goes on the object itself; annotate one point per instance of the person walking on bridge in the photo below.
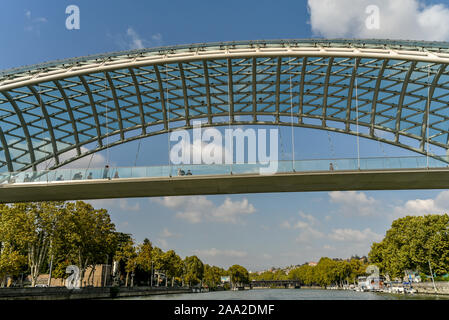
(106, 172)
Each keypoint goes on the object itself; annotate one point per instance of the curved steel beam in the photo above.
(401, 99)
(326, 89)
(301, 90)
(6, 151)
(376, 95)
(165, 115)
(139, 100)
(227, 53)
(254, 87)
(24, 128)
(184, 92)
(116, 104)
(350, 93)
(71, 117)
(208, 100)
(94, 110)
(230, 92)
(39, 100)
(278, 87)
(436, 78)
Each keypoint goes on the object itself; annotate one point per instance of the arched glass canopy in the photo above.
(395, 91)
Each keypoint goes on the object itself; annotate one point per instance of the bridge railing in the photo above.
(312, 165)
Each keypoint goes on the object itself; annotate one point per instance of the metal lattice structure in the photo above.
(53, 111)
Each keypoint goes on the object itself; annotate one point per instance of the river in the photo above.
(289, 294)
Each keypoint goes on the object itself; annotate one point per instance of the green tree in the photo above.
(159, 264)
(304, 274)
(173, 265)
(412, 243)
(31, 227)
(86, 236)
(193, 270)
(239, 275)
(212, 275)
(145, 256)
(356, 268)
(127, 254)
(11, 262)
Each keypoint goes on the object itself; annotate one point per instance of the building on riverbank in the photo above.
(97, 276)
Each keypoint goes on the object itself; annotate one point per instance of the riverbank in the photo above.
(62, 293)
(441, 288)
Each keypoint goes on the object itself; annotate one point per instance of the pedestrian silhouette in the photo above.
(106, 172)
(77, 176)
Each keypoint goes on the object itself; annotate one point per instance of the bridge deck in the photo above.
(400, 179)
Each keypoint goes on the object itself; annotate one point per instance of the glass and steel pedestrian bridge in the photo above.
(394, 92)
(381, 173)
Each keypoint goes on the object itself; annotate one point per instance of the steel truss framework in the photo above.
(61, 111)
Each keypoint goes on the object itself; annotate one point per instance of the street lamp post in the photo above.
(151, 285)
(106, 270)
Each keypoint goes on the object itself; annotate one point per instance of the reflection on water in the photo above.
(289, 294)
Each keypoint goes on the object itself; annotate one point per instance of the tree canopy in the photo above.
(412, 243)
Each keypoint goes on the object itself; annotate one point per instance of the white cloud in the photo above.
(197, 209)
(399, 19)
(309, 234)
(308, 220)
(307, 228)
(355, 236)
(135, 41)
(354, 203)
(121, 204)
(126, 206)
(224, 253)
(33, 25)
(157, 38)
(91, 161)
(132, 39)
(416, 207)
(168, 234)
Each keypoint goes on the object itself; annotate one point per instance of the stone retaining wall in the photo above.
(62, 293)
(427, 287)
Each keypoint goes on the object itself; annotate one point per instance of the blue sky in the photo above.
(255, 230)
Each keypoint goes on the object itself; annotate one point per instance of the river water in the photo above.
(289, 294)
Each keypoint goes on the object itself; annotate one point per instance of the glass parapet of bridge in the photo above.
(164, 171)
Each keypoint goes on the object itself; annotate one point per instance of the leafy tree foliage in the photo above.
(193, 270)
(412, 243)
(239, 275)
(126, 254)
(212, 275)
(86, 237)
